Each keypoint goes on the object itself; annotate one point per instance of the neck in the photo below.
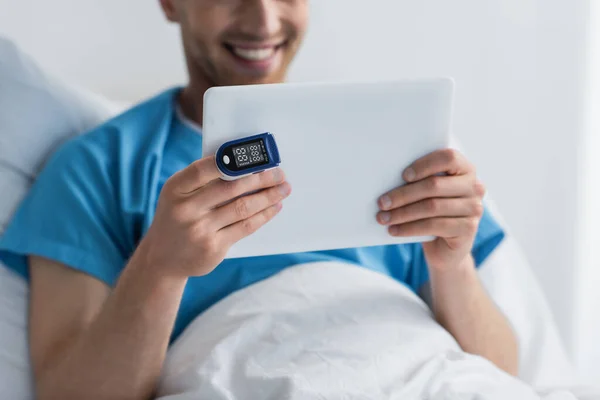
(191, 101)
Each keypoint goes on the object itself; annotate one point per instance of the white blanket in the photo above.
(329, 331)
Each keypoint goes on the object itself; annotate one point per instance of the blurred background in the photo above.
(527, 103)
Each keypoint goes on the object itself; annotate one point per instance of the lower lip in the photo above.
(253, 66)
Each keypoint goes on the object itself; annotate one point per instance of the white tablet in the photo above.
(341, 146)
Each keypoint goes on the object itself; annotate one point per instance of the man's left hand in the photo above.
(442, 198)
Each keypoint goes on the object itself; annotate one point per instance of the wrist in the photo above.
(143, 267)
(461, 268)
(452, 286)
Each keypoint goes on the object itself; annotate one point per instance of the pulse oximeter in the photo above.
(250, 155)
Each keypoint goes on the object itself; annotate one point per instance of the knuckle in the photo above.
(273, 196)
(179, 213)
(198, 168)
(478, 209)
(480, 189)
(250, 226)
(254, 182)
(193, 171)
(264, 179)
(169, 190)
(450, 155)
(202, 235)
(230, 188)
(278, 175)
(434, 183)
(268, 177)
(432, 205)
(198, 235)
(249, 183)
(473, 224)
(241, 208)
(271, 213)
(202, 229)
(208, 244)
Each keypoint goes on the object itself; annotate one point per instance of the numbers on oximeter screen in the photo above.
(249, 154)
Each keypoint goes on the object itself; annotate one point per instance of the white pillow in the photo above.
(37, 114)
(15, 370)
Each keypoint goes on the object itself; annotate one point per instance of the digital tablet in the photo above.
(341, 145)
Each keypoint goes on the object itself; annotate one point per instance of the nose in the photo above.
(260, 18)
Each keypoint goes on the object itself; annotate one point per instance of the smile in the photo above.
(254, 53)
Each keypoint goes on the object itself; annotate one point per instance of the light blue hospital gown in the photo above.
(97, 196)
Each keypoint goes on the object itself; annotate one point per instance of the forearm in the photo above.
(121, 354)
(463, 307)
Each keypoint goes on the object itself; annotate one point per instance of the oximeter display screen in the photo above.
(252, 154)
(249, 154)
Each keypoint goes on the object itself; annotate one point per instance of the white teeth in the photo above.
(254, 54)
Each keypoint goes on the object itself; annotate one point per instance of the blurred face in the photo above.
(237, 42)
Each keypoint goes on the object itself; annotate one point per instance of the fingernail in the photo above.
(285, 189)
(278, 206)
(410, 175)
(393, 230)
(385, 202)
(385, 217)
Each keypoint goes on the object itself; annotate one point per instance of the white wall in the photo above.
(588, 316)
(120, 48)
(517, 64)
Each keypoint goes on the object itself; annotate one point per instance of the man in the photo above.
(123, 239)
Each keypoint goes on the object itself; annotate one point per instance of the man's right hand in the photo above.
(89, 340)
(199, 217)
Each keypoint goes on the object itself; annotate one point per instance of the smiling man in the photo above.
(124, 233)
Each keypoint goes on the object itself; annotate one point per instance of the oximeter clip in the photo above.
(246, 156)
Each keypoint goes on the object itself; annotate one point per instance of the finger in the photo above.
(248, 206)
(432, 187)
(220, 192)
(446, 161)
(240, 230)
(431, 208)
(440, 227)
(194, 176)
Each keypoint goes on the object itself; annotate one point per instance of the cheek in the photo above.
(204, 28)
(293, 16)
(302, 20)
(297, 18)
(295, 24)
(205, 49)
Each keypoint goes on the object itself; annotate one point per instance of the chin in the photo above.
(252, 80)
